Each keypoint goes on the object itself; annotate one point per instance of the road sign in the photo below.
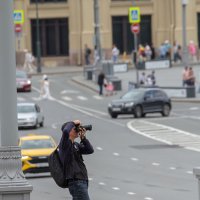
(134, 15)
(135, 28)
(18, 16)
(18, 28)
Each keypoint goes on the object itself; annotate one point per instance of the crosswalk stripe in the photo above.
(66, 98)
(166, 134)
(82, 98)
(97, 97)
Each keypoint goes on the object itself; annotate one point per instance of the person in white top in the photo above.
(28, 62)
(115, 53)
(45, 92)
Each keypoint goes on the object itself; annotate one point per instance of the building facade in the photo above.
(65, 26)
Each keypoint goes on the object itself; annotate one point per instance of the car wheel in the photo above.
(144, 115)
(36, 125)
(138, 112)
(42, 124)
(113, 115)
(166, 110)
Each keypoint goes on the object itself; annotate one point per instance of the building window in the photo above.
(47, 1)
(54, 37)
(123, 37)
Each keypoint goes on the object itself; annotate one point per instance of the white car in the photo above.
(29, 115)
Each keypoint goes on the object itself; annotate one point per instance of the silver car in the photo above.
(29, 115)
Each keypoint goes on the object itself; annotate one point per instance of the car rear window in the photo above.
(37, 144)
(21, 75)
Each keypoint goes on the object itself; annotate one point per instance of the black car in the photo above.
(141, 101)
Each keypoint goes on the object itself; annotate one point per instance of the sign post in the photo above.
(134, 20)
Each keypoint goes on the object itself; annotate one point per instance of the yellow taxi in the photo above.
(35, 150)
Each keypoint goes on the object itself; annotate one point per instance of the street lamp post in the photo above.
(185, 50)
(97, 29)
(39, 70)
(13, 184)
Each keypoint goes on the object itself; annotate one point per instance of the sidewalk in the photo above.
(171, 77)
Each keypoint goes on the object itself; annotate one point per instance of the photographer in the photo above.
(70, 153)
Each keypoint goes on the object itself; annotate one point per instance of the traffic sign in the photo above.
(134, 15)
(18, 28)
(18, 16)
(135, 28)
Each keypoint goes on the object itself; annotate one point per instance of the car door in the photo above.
(158, 98)
(149, 102)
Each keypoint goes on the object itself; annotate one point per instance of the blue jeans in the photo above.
(79, 189)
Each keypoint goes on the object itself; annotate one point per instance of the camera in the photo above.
(86, 127)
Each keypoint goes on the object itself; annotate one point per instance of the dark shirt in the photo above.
(101, 79)
(71, 156)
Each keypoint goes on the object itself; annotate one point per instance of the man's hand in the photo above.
(77, 122)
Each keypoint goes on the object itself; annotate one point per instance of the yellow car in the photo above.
(35, 150)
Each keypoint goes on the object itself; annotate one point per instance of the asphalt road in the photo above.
(141, 159)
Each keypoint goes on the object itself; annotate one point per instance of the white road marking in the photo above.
(116, 154)
(115, 188)
(155, 164)
(148, 198)
(99, 148)
(54, 126)
(102, 183)
(172, 168)
(131, 193)
(166, 134)
(189, 172)
(66, 98)
(82, 98)
(194, 108)
(69, 92)
(134, 159)
(97, 97)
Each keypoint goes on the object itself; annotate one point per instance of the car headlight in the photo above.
(28, 82)
(25, 158)
(130, 104)
(109, 105)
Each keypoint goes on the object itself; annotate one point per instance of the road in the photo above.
(142, 159)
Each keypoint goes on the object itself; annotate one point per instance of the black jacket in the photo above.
(71, 155)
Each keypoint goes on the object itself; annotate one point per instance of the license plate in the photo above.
(42, 165)
(116, 109)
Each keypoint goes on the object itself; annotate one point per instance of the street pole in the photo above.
(39, 70)
(97, 29)
(185, 50)
(13, 184)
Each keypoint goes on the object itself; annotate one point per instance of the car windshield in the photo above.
(37, 144)
(25, 109)
(134, 94)
(20, 74)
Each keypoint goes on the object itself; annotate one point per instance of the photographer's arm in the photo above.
(85, 147)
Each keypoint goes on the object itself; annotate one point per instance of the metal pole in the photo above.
(135, 54)
(13, 184)
(39, 70)
(97, 28)
(185, 50)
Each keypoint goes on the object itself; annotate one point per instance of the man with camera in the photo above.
(70, 153)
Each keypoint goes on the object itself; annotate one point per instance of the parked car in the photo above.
(29, 115)
(141, 101)
(35, 150)
(23, 81)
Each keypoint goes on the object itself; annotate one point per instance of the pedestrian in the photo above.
(142, 79)
(28, 61)
(45, 92)
(190, 77)
(151, 79)
(87, 54)
(101, 82)
(192, 51)
(185, 76)
(70, 153)
(109, 88)
(115, 53)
